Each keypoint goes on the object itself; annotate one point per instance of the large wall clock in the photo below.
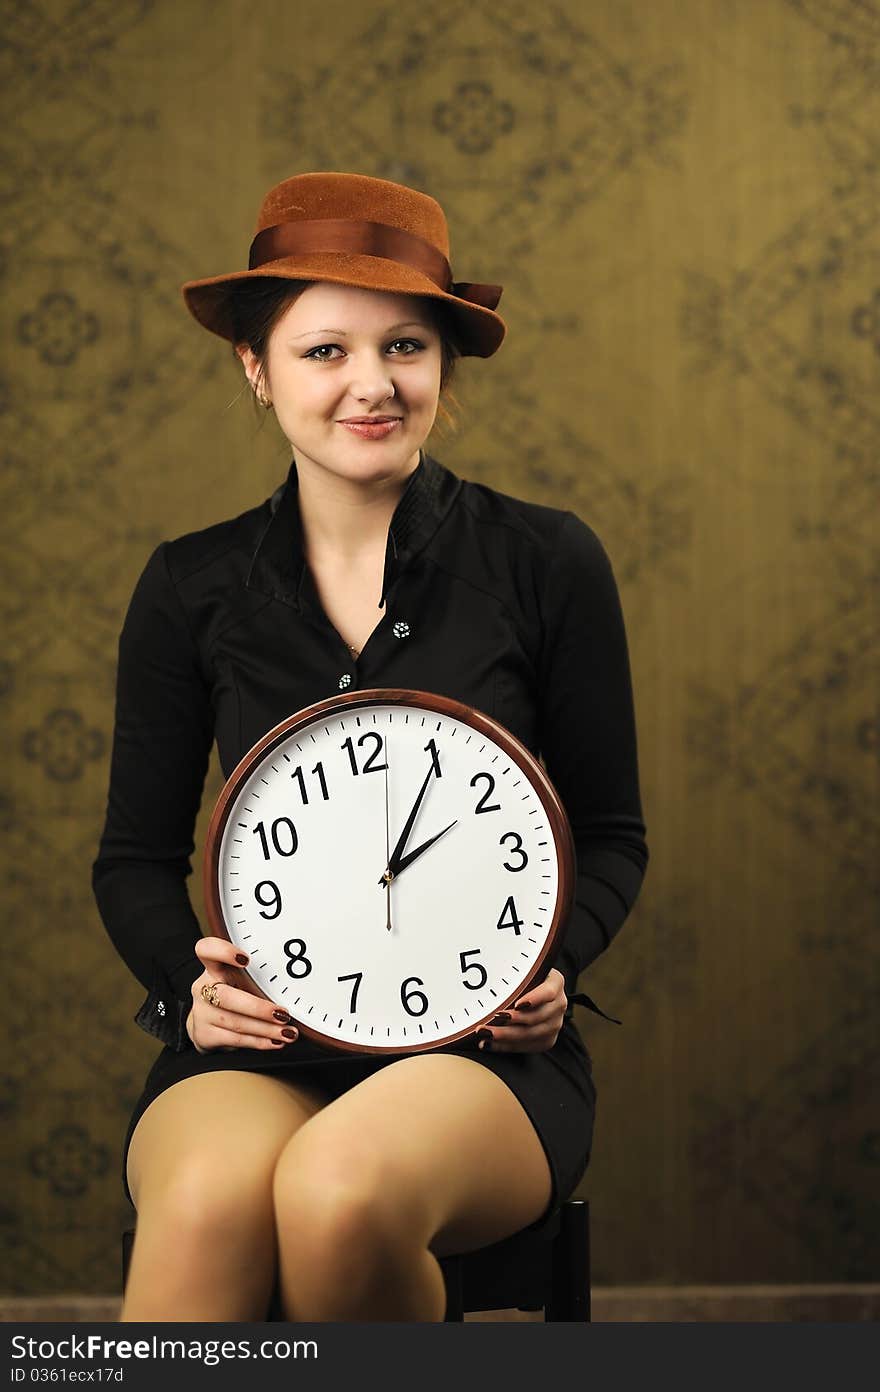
(397, 866)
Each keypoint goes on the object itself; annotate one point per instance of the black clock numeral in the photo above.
(517, 850)
(273, 900)
(431, 748)
(490, 788)
(370, 766)
(356, 977)
(298, 956)
(285, 842)
(407, 996)
(300, 778)
(513, 922)
(477, 966)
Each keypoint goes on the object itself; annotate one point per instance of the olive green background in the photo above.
(680, 198)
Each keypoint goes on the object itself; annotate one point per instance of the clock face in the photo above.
(396, 865)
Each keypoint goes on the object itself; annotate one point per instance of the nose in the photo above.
(372, 382)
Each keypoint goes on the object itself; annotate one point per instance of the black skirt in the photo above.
(555, 1089)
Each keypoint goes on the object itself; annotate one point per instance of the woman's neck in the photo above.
(343, 520)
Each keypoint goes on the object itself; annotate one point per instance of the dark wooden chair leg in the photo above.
(570, 1278)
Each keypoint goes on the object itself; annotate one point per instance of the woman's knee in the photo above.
(200, 1195)
(243, 1117)
(333, 1197)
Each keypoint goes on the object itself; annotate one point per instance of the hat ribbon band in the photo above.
(365, 238)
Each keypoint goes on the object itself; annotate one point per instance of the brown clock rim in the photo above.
(443, 705)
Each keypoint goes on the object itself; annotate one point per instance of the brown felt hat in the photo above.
(355, 230)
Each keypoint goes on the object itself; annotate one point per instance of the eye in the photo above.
(320, 349)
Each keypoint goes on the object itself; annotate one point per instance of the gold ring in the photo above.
(209, 992)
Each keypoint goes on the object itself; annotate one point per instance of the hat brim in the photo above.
(480, 330)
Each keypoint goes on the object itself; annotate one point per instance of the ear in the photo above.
(249, 359)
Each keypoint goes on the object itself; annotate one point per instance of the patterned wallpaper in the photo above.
(682, 201)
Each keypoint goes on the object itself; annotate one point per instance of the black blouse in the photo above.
(506, 605)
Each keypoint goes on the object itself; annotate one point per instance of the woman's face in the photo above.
(340, 351)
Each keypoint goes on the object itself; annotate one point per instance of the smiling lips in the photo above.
(367, 420)
(376, 428)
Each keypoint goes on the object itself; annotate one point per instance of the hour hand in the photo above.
(410, 823)
(396, 868)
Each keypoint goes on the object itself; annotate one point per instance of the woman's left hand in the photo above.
(534, 1029)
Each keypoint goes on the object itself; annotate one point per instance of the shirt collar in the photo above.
(278, 567)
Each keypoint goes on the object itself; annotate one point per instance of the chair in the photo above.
(545, 1268)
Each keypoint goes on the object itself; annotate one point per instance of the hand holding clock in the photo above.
(244, 1020)
(241, 1019)
(535, 1022)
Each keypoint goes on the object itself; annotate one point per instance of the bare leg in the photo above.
(431, 1155)
(200, 1171)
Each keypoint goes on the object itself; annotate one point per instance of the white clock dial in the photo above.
(392, 872)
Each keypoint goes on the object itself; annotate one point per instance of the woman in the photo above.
(255, 1157)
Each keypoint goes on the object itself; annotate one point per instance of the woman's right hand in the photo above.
(242, 1019)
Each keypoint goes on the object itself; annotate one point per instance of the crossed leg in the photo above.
(433, 1154)
(236, 1175)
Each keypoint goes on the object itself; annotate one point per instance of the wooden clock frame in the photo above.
(442, 705)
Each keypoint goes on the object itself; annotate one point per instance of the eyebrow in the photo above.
(406, 324)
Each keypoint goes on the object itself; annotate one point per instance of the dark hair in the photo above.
(256, 305)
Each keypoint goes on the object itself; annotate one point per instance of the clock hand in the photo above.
(410, 822)
(419, 850)
(387, 877)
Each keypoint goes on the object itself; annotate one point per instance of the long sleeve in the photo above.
(588, 741)
(161, 746)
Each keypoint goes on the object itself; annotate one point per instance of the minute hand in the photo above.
(410, 823)
(419, 850)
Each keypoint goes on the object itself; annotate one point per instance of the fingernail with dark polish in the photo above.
(241, 959)
(282, 1016)
(500, 1019)
(290, 1033)
(523, 1005)
(483, 1035)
